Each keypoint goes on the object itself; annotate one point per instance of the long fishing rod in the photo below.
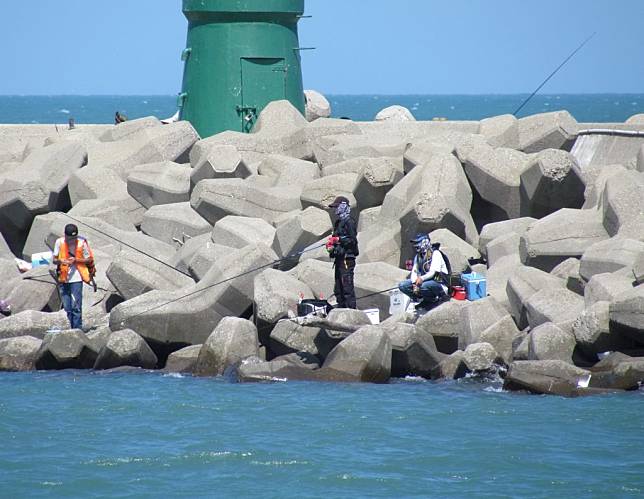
(241, 274)
(554, 73)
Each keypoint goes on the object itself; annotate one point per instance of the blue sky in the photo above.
(362, 46)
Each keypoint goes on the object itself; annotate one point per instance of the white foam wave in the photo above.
(64, 111)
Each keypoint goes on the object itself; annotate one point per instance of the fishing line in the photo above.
(554, 73)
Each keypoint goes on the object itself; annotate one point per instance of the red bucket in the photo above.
(458, 293)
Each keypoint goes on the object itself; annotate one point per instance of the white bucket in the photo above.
(373, 314)
(398, 302)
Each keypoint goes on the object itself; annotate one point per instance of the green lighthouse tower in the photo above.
(240, 55)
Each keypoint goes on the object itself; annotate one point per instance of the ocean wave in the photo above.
(64, 111)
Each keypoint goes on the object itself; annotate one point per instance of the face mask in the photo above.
(342, 210)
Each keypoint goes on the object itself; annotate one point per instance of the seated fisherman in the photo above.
(429, 274)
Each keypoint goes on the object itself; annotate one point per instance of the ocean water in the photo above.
(101, 109)
(80, 434)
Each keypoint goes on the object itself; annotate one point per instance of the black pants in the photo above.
(344, 290)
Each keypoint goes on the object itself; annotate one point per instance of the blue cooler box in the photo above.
(475, 286)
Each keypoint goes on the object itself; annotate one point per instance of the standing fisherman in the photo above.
(75, 266)
(343, 248)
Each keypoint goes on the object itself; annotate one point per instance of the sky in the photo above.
(132, 47)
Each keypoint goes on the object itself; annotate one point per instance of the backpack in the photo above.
(447, 278)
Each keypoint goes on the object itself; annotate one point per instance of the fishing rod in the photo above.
(554, 73)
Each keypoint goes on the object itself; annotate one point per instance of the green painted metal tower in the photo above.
(240, 55)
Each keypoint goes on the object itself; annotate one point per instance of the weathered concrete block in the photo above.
(126, 129)
(289, 337)
(549, 183)
(125, 348)
(491, 231)
(622, 202)
(173, 141)
(627, 314)
(279, 118)
(557, 305)
(215, 199)
(496, 176)
(610, 255)
(33, 290)
(423, 152)
(476, 318)
(368, 218)
(381, 244)
(105, 210)
(299, 366)
(375, 179)
(524, 283)
(546, 131)
(159, 183)
(551, 377)
(216, 161)
(19, 354)
(183, 360)
(606, 287)
(564, 234)
(568, 270)
(593, 333)
(395, 113)
(300, 230)
(480, 357)
(503, 247)
(451, 367)
(173, 223)
(501, 335)
(364, 356)
(444, 323)
(549, 342)
(501, 131)
(232, 341)
(317, 106)
(202, 260)
(66, 350)
(414, 353)
(238, 232)
(187, 317)
(321, 192)
(288, 171)
(595, 178)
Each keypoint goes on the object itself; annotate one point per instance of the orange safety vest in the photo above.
(86, 271)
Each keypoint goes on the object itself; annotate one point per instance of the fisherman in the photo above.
(343, 248)
(74, 266)
(429, 274)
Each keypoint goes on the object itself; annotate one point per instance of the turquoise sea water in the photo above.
(101, 109)
(77, 434)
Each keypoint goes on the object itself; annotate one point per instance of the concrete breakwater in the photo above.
(556, 213)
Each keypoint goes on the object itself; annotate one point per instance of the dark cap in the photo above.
(338, 201)
(71, 230)
(419, 237)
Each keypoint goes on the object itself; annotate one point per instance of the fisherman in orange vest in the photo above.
(75, 266)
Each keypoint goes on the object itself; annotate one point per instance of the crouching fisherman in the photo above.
(429, 274)
(74, 266)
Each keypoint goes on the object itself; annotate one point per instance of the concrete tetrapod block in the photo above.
(120, 157)
(444, 324)
(278, 118)
(564, 234)
(216, 161)
(430, 197)
(451, 367)
(414, 352)
(557, 305)
(501, 131)
(549, 183)
(288, 171)
(550, 342)
(595, 178)
(232, 341)
(593, 333)
(172, 142)
(133, 274)
(125, 348)
(568, 270)
(495, 174)
(423, 152)
(480, 357)
(501, 335)
(105, 210)
(376, 177)
(289, 337)
(19, 354)
(36, 324)
(622, 204)
(159, 183)
(128, 128)
(364, 356)
(503, 247)
(300, 230)
(238, 232)
(317, 106)
(38, 186)
(368, 218)
(606, 287)
(476, 318)
(276, 293)
(174, 319)
(395, 113)
(610, 255)
(550, 377)
(66, 350)
(215, 199)
(183, 361)
(381, 244)
(174, 223)
(321, 192)
(33, 290)
(334, 149)
(627, 314)
(295, 366)
(523, 283)
(203, 260)
(489, 232)
(625, 375)
(546, 131)
(458, 251)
